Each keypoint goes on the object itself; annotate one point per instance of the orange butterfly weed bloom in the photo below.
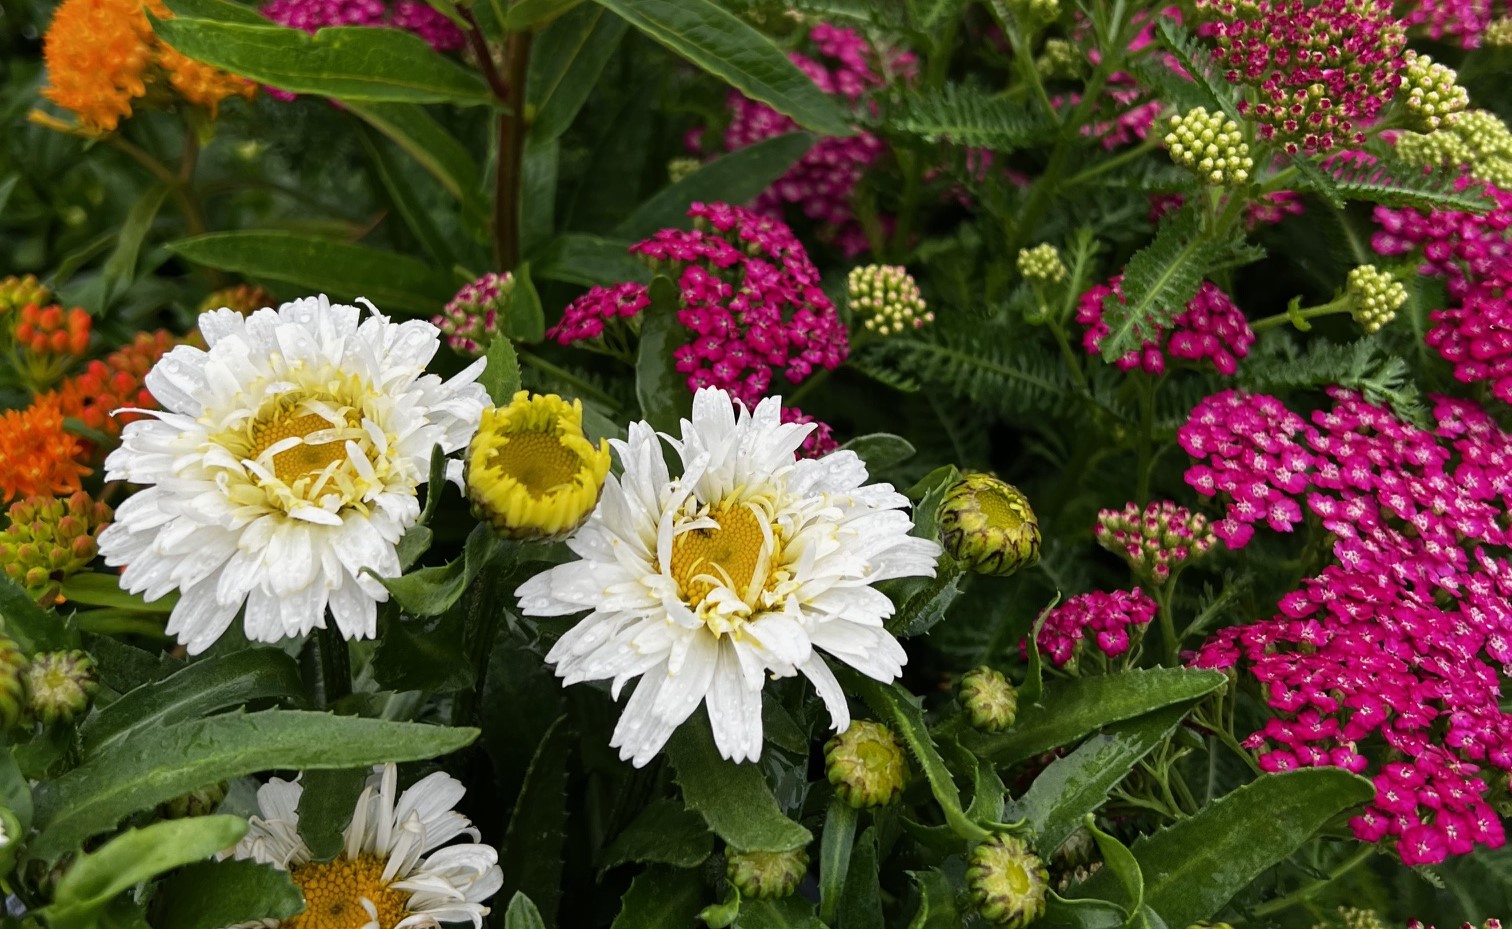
(101, 55)
(118, 381)
(37, 456)
(53, 330)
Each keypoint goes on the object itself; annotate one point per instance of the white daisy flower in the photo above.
(748, 565)
(284, 461)
(392, 872)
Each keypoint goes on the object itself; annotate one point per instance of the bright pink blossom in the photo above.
(1104, 617)
(1212, 329)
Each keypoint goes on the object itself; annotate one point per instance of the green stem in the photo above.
(1167, 625)
(335, 665)
(1072, 361)
(1340, 305)
(814, 380)
(1147, 389)
(1138, 151)
(510, 172)
(560, 373)
(1302, 894)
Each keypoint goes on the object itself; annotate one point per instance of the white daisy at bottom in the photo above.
(751, 563)
(392, 872)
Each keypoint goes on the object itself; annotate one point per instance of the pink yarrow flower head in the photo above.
(820, 442)
(1104, 618)
(1461, 247)
(471, 320)
(749, 298)
(1475, 335)
(1317, 74)
(1212, 329)
(1156, 539)
(1462, 22)
(1265, 210)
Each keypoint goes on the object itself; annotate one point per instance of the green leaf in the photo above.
(502, 376)
(576, 258)
(423, 653)
(930, 600)
(1120, 862)
(880, 450)
(15, 791)
(406, 200)
(136, 855)
(33, 628)
(1071, 710)
(325, 808)
(197, 690)
(432, 591)
(245, 892)
(723, 45)
(167, 761)
(928, 15)
(733, 178)
(1034, 674)
(937, 909)
(525, 14)
(836, 843)
(538, 193)
(1079, 783)
(967, 115)
(1061, 913)
(531, 856)
(861, 903)
(663, 833)
(660, 898)
(1391, 182)
(220, 10)
(660, 387)
(437, 151)
(788, 913)
(565, 64)
(349, 62)
(522, 914)
(345, 272)
(1196, 866)
(733, 799)
(1205, 77)
(90, 588)
(120, 267)
(527, 320)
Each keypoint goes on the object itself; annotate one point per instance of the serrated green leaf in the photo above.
(565, 64)
(723, 45)
(788, 913)
(1071, 710)
(661, 389)
(325, 808)
(531, 856)
(931, 598)
(502, 376)
(15, 790)
(937, 909)
(661, 897)
(167, 761)
(1197, 61)
(733, 799)
(90, 588)
(861, 902)
(967, 115)
(522, 914)
(1390, 182)
(422, 138)
(197, 690)
(576, 258)
(432, 591)
(663, 833)
(33, 628)
(245, 892)
(348, 62)
(423, 653)
(137, 855)
(344, 272)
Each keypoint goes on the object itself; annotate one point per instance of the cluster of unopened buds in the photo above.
(1211, 146)
(50, 538)
(1374, 297)
(47, 337)
(471, 320)
(1042, 264)
(1154, 540)
(886, 299)
(1433, 96)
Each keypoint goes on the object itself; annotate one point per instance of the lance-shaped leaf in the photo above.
(733, 799)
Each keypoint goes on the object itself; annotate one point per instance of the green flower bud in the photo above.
(886, 300)
(1374, 297)
(59, 685)
(1204, 924)
(1355, 918)
(988, 699)
(987, 525)
(679, 168)
(1498, 34)
(1059, 60)
(16, 292)
(12, 682)
(866, 765)
(50, 538)
(1042, 264)
(1211, 146)
(1432, 97)
(1007, 881)
(766, 875)
(200, 802)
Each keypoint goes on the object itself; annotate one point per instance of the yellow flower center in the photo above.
(741, 553)
(334, 892)
(1000, 510)
(306, 458)
(538, 460)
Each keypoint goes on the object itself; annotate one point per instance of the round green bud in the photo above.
(1042, 264)
(12, 682)
(59, 685)
(987, 525)
(1432, 99)
(988, 699)
(679, 168)
(1007, 881)
(1374, 296)
(200, 802)
(766, 875)
(866, 764)
(1211, 146)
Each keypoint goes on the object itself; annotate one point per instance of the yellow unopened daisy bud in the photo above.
(1042, 264)
(1374, 297)
(12, 682)
(866, 765)
(531, 473)
(766, 875)
(1211, 146)
(886, 299)
(987, 525)
(59, 685)
(1007, 881)
(988, 699)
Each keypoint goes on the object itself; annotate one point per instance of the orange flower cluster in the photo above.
(114, 383)
(53, 330)
(101, 55)
(37, 456)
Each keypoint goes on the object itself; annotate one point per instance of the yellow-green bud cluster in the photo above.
(679, 168)
(1498, 34)
(1211, 146)
(12, 682)
(1355, 918)
(1477, 139)
(200, 802)
(987, 525)
(866, 765)
(886, 299)
(1007, 882)
(988, 699)
(1204, 924)
(1058, 59)
(1042, 263)
(59, 685)
(50, 538)
(766, 875)
(1374, 297)
(1037, 12)
(16, 292)
(1433, 98)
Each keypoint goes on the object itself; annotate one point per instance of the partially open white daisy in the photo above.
(392, 872)
(748, 565)
(285, 460)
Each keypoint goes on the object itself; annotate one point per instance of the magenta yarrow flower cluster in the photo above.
(1103, 616)
(1211, 329)
(1265, 210)
(471, 320)
(1462, 247)
(1387, 660)
(1155, 539)
(1319, 73)
(1463, 21)
(1475, 335)
(1133, 110)
(413, 16)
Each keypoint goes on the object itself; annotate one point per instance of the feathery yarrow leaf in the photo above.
(964, 114)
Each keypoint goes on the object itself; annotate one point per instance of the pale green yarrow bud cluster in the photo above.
(1433, 98)
(1477, 139)
(12, 682)
(1211, 146)
(201, 802)
(866, 765)
(1374, 297)
(987, 525)
(679, 168)
(1058, 59)
(988, 699)
(766, 875)
(1007, 882)
(1356, 918)
(50, 538)
(1037, 11)
(1042, 264)
(886, 299)
(59, 685)
(1499, 33)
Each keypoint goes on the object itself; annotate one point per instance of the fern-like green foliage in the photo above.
(1390, 182)
(964, 114)
(1381, 379)
(1205, 87)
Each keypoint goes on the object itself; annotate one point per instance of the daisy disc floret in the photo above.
(282, 467)
(744, 564)
(393, 871)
